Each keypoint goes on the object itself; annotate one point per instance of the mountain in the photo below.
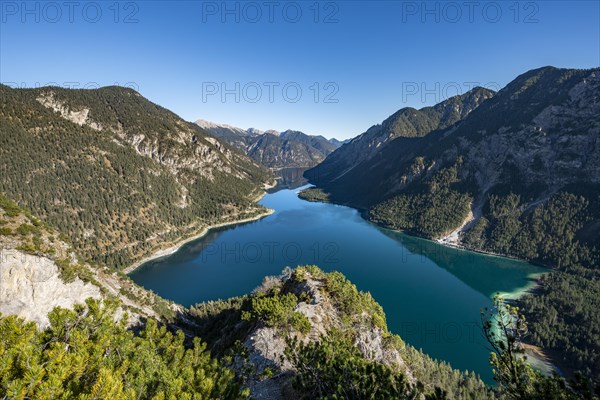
(339, 143)
(537, 135)
(289, 149)
(119, 175)
(301, 334)
(39, 270)
(519, 176)
(407, 122)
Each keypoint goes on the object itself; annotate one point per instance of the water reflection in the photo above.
(431, 294)
(483, 273)
(289, 178)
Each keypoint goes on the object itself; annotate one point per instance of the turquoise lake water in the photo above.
(431, 294)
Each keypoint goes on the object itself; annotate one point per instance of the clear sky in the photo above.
(328, 67)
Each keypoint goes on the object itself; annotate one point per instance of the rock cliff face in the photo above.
(39, 271)
(31, 287)
(289, 149)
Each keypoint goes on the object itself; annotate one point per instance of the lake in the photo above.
(431, 294)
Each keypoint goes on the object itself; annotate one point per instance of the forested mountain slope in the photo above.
(40, 270)
(406, 122)
(519, 176)
(116, 173)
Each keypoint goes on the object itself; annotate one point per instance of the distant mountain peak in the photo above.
(254, 131)
(288, 149)
(204, 124)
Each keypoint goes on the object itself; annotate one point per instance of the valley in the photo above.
(167, 222)
(411, 278)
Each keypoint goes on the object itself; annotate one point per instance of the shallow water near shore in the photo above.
(431, 294)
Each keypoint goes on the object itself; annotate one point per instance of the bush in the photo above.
(10, 207)
(26, 229)
(5, 231)
(85, 354)
(277, 310)
(334, 369)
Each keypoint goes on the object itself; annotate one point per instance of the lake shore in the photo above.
(173, 248)
(515, 295)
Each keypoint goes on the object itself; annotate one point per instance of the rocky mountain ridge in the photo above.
(538, 134)
(406, 122)
(273, 149)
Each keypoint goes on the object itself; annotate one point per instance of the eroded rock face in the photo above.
(30, 287)
(560, 145)
(80, 116)
(187, 151)
(266, 345)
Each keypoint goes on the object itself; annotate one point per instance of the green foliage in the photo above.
(277, 310)
(431, 212)
(475, 238)
(300, 322)
(67, 271)
(220, 323)
(27, 247)
(26, 229)
(505, 328)
(314, 194)
(334, 368)
(11, 209)
(85, 354)
(5, 231)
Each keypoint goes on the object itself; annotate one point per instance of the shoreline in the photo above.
(175, 247)
(537, 356)
(453, 245)
(444, 241)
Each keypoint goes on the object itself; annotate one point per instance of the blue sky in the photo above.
(330, 68)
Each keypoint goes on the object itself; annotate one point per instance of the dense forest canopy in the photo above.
(116, 173)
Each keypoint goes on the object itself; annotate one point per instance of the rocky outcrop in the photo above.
(31, 286)
(266, 345)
